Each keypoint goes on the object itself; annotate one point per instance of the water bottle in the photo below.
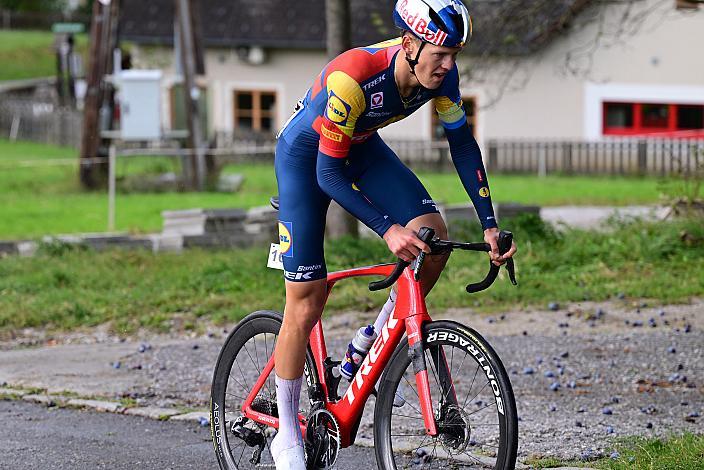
(357, 350)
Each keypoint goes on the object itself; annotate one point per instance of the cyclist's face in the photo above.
(434, 63)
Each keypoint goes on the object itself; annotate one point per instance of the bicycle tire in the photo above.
(224, 403)
(446, 336)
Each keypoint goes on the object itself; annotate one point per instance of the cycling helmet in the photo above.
(440, 22)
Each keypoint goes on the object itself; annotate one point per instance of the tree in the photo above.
(33, 5)
(337, 17)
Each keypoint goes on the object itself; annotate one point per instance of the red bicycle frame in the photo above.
(408, 316)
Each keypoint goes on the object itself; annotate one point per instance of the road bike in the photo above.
(458, 408)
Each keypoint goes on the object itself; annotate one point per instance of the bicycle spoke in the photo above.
(480, 391)
(238, 382)
(236, 396)
(480, 409)
(470, 387)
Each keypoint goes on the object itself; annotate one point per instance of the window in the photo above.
(178, 107)
(254, 110)
(619, 115)
(687, 4)
(690, 117)
(470, 109)
(654, 116)
(656, 119)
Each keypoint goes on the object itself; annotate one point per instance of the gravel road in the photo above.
(623, 368)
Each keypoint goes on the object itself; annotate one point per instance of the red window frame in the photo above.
(672, 129)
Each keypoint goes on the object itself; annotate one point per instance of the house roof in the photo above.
(501, 27)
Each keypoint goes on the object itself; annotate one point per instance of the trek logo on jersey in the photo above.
(338, 111)
(332, 135)
(420, 26)
(377, 100)
(374, 82)
(484, 191)
(285, 239)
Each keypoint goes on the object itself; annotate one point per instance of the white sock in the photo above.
(385, 312)
(288, 394)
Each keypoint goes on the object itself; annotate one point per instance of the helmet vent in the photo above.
(438, 21)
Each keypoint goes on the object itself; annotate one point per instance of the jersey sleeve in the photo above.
(465, 152)
(345, 103)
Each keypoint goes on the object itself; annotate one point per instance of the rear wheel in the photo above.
(473, 402)
(240, 442)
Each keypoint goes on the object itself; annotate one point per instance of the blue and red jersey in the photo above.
(355, 95)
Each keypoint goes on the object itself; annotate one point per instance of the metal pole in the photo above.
(111, 187)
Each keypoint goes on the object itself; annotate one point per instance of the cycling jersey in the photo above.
(352, 97)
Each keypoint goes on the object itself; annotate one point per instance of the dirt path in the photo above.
(617, 375)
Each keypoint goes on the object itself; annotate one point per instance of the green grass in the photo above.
(65, 287)
(30, 54)
(676, 453)
(40, 200)
(683, 452)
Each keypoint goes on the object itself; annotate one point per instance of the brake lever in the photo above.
(426, 234)
(418, 265)
(505, 241)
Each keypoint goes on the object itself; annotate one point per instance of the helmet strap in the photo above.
(413, 62)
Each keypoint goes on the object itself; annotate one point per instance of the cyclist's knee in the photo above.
(433, 220)
(304, 304)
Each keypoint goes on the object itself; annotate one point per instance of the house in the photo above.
(537, 69)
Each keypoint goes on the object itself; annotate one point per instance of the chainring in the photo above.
(322, 440)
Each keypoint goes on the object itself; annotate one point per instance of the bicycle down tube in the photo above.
(408, 316)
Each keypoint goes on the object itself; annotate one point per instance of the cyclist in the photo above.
(329, 148)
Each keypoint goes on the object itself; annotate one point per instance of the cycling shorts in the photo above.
(375, 170)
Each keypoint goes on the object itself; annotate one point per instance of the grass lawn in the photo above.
(66, 287)
(30, 54)
(681, 452)
(47, 199)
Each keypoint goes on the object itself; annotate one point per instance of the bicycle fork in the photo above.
(417, 315)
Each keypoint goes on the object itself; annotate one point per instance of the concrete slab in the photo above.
(98, 405)
(152, 412)
(84, 369)
(193, 416)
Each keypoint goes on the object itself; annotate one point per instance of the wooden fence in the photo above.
(613, 156)
(40, 122)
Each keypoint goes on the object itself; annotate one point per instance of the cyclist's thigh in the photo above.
(387, 183)
(302, 209)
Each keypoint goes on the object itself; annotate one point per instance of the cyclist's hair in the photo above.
(405, 32)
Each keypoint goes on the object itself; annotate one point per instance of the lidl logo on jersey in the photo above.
(377, 100)
(285, 239)
(338, 111)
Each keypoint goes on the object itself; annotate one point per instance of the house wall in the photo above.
(660, 63)
(533, 97)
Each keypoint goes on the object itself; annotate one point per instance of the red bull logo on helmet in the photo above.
(419, 25)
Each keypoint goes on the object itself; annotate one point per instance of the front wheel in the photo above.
(473, 403)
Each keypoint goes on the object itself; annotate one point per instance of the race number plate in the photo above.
(275, 260)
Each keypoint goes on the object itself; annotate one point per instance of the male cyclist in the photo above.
(329, 148)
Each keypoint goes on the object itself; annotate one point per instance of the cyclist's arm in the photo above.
(467, 157)
(345, 103)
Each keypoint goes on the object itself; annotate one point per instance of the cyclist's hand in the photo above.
(404, 243)
(491, 236)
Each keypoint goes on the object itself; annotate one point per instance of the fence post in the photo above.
(642, 157)
(567, 158)
(493, 156)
